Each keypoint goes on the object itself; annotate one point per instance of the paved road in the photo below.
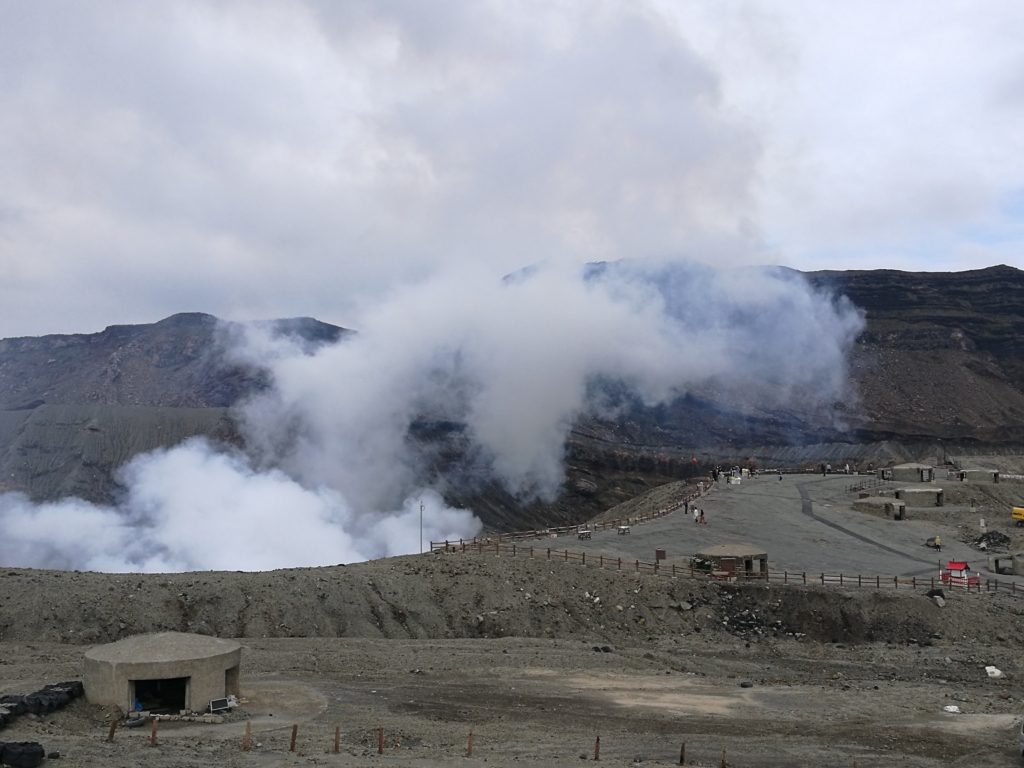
(804, 523)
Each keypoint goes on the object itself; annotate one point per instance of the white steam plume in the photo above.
(193, 508)
(330, 456)
(512, 359)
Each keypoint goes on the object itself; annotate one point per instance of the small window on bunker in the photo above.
(166, 695)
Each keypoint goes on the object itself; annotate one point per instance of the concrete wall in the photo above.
(979, 475)
(110, 682)
(881, 505)
(912, 474)
(921, 497)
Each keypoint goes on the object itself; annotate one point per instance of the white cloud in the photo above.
(193, 508)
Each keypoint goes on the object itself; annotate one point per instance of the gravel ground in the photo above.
(538, 658)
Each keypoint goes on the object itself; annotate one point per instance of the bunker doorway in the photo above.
(168, 696)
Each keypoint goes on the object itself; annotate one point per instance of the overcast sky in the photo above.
(302, 158)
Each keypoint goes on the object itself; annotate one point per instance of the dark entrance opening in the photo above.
(166, 696)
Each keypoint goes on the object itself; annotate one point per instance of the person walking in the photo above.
(696, 515)
(702, 520)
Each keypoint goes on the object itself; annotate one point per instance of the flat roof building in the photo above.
(908, 473)
(732, 561)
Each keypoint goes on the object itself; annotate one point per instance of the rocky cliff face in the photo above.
(940, 365)
(942, 356)
(175, 363)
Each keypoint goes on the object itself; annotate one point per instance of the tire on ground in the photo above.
(22, 754)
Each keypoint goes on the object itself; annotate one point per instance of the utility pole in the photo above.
(421, 527)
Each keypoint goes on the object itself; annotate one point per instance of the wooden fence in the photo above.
(673, 570)
(564, 530)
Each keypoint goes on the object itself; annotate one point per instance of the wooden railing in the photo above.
(675, 570)
(599, 525)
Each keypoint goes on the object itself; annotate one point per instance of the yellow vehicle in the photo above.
(1018, 516)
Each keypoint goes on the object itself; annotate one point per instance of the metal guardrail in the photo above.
(673, 570)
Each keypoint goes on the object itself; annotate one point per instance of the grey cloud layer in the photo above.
(295, 159)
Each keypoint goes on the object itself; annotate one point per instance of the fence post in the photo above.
(600, 561)
(638, 566)
(913, 581)
(295, 733)
(805, 577)
(878, 582)
(337, 739)
(673, 569)
(896, 582)
(858, 580)
(513, 549)
(549, 553)
(567, 555)
(823, 579)
(584, 558)
(840, 579)
(620, 563)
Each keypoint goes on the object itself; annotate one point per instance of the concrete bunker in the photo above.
(908, 473)
(162, 672)
(885, 505)
(979, 475)
(921, 497)
(733, 561)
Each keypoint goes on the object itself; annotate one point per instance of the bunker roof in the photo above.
(733, 550)
(162, 646)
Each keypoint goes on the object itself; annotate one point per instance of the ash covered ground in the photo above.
(538, 657)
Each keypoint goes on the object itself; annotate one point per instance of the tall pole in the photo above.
(421, 527)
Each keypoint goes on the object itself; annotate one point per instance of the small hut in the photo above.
(733, 561)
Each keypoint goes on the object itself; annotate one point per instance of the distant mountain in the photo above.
(75, 407)
(939, 368)
(174, 363)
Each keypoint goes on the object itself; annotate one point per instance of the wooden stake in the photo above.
(682, 754)
(152, 732)
(597, 748)
(380, 741)
(295, 733)
(723, 764)
(337, 739)
(469, 745)
(113, 727)
(247, 738)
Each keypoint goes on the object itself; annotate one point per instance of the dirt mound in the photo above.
(469, 596)
(828, 615)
